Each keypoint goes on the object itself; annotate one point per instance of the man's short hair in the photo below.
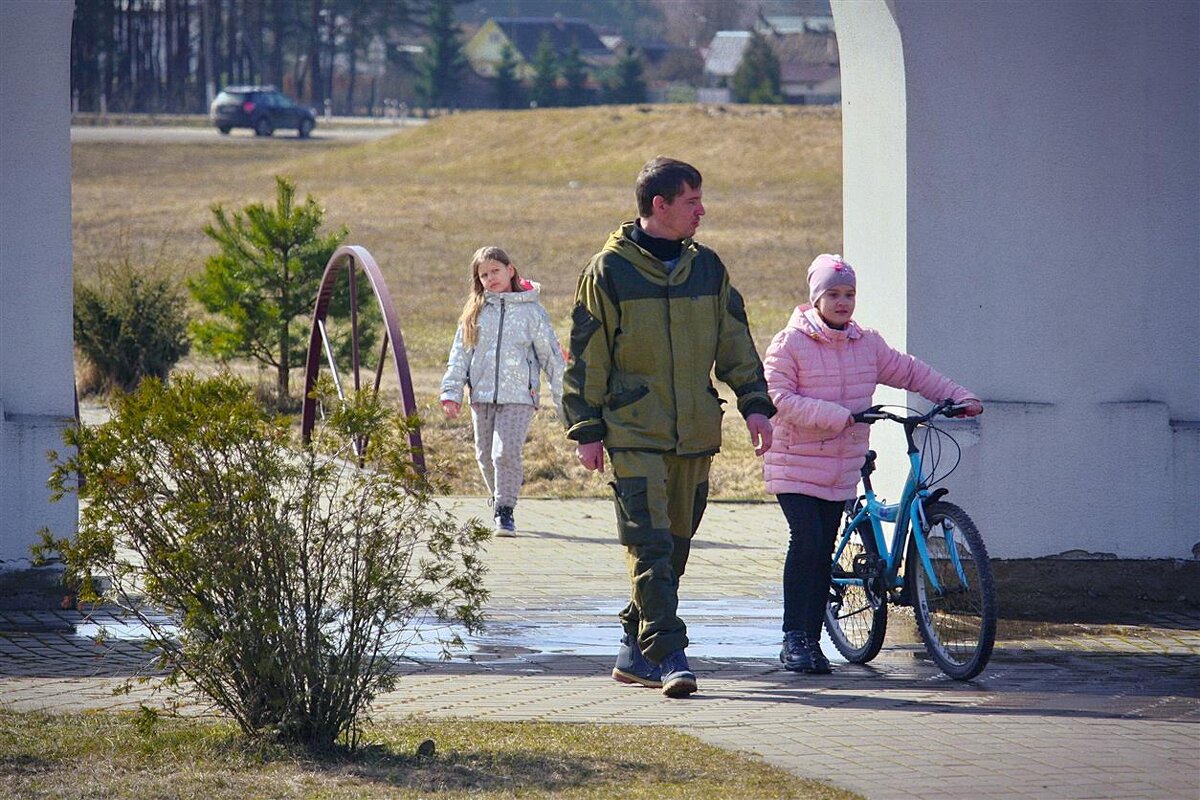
(666, 177)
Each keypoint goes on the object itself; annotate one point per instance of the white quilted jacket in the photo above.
(516, 343)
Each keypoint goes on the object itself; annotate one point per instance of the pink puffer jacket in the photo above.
(817, 377)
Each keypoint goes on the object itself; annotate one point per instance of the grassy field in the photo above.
(131, 757)
(548, 186)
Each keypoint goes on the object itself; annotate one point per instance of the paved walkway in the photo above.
(1089, 715)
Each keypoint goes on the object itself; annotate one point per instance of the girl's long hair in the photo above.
(469, 319)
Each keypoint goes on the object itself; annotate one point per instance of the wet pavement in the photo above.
(1075, 713)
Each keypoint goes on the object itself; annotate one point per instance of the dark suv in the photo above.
(262, 108)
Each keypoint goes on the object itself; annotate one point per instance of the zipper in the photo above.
(499, 339)
(671, 358)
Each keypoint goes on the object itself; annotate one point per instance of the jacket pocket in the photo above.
(791, 437)
(626, 398)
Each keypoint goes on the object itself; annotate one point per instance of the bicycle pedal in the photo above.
(900, 598)
(868, 566)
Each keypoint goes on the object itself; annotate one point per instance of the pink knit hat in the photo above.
(826, 272)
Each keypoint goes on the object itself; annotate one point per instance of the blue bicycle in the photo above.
(936, 562)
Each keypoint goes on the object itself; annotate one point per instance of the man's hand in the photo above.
(451, 408)
(760, 433)
(591, 455)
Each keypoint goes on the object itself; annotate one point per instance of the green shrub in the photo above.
(289, 575)
(128, 327)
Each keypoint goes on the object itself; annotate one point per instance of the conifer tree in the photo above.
(444, 62)
(628, 87)
(575, 76)
(508, 87)
(261, 285)
(545, 74)
(756, 79)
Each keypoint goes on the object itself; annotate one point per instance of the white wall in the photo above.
(36, 374)
(1022, 202)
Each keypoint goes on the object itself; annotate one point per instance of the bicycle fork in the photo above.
(920, 525)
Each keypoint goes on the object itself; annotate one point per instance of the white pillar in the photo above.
(36, 372)
(1022, 201)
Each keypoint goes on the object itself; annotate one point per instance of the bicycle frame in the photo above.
(907, 517)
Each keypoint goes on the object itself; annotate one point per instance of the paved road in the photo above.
(1086, 715)
(152, 134)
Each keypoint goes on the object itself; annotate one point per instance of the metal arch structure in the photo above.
(351, 258)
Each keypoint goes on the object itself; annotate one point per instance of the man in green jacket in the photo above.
(655, 316)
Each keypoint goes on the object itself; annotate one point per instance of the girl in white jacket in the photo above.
(503, 342)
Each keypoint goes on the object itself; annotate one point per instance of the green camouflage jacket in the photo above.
(644, 343)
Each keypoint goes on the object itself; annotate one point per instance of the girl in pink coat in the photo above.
(820, 369)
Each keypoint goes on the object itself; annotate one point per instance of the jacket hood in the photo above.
(806, 320)
(619, 242)
(530, 295)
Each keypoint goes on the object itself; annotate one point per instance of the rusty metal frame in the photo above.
(353, 256)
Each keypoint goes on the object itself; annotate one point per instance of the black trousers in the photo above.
(813, 526)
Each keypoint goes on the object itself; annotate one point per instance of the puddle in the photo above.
(719, 629)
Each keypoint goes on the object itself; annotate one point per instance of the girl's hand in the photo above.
(451, 408)
(972, 408)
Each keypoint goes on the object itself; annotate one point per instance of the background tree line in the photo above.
(174, 55)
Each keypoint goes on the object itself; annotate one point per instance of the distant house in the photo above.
(724, 54)
(525, 35)
(809, 65)
(810, 71)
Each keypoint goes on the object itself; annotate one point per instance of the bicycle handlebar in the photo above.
(946, 408)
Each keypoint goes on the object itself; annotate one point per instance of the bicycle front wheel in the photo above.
(958, 623)
(855, 617)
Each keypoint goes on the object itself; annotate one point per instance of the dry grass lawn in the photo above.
(548, 186)
(133, 757)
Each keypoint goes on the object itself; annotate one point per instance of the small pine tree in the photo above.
(444, 62)
(575, 76)
(628, 87)
(756, 79)
(263, 281)
(508, 88)
(545, 74)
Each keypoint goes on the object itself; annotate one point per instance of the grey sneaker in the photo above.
(678, 680)
(506, 526)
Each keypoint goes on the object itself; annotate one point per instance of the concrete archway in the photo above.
(1022, 201)
(36, 373)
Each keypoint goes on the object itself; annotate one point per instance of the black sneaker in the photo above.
(632, 666)
(795, 653)
(678, 680)
(802, 653)
(820, 664)
(505, 524)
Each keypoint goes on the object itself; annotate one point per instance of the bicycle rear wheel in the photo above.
(958, 624)
(856, 619)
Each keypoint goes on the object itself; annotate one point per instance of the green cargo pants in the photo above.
(660, 500)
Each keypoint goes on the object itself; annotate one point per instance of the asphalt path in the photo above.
(155, 134)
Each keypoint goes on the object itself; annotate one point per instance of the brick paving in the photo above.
(1083, 715)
